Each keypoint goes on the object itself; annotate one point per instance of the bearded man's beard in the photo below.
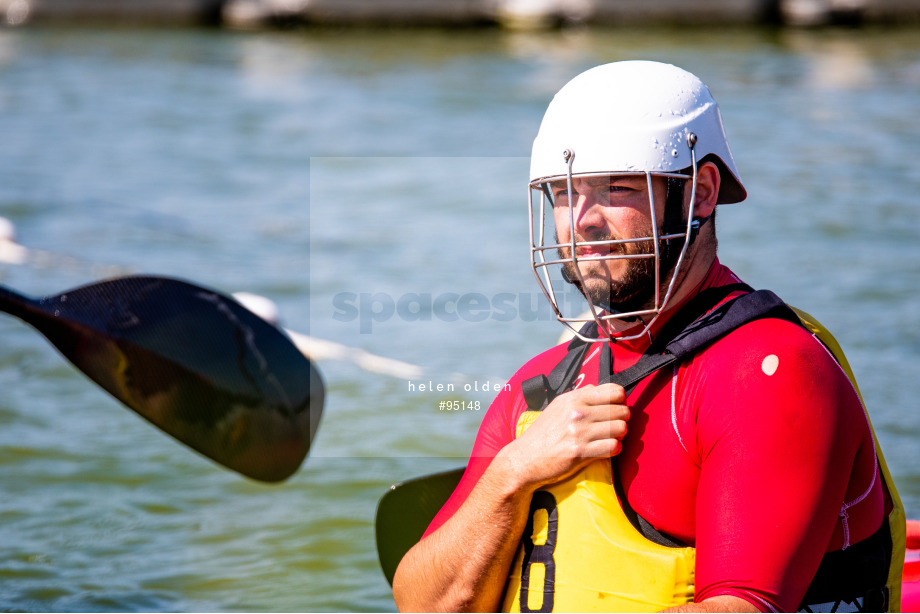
(634, 291)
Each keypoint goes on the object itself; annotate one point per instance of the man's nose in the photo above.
(588, 213)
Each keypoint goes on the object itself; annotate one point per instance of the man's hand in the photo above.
(576, 428)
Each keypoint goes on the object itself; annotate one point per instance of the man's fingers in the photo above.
(606, 413)
(595, 404)
(607, 429)
(603, 448)
(605, 394)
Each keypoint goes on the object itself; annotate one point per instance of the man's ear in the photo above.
(708, 181)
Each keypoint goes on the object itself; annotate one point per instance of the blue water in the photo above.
(323, 168)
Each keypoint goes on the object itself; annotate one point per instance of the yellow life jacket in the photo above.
(581, 552)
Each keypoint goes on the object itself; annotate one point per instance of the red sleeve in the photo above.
(493, 435)
(782, 440)
(496, 431)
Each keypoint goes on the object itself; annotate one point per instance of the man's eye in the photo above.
(560, 196)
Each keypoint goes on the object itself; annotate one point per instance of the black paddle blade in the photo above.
(405, 512)
(192, 361)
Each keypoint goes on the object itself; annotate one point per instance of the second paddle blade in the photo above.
(405, 511)
(196, 364)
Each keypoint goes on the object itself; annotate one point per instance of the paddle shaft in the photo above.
(17, 305)
(29, 311)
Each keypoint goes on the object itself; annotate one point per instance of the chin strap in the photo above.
(674, 223)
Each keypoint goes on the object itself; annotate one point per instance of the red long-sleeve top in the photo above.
(756, 451)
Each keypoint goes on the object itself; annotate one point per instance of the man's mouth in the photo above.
(597, 251)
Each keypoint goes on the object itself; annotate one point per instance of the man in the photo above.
(736, 473)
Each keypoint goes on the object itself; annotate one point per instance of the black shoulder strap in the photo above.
(697, 325)
(540, 390)
(704, 330)
(701, 321)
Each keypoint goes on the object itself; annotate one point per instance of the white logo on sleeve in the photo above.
(770, 364)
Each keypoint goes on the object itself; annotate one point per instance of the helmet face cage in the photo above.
(544, 239)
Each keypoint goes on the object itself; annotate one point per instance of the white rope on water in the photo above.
(320, 349)
(11, 252)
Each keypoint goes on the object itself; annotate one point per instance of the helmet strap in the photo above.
(673, 223)
(568, 278)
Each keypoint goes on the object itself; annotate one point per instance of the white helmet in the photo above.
(634, 117)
